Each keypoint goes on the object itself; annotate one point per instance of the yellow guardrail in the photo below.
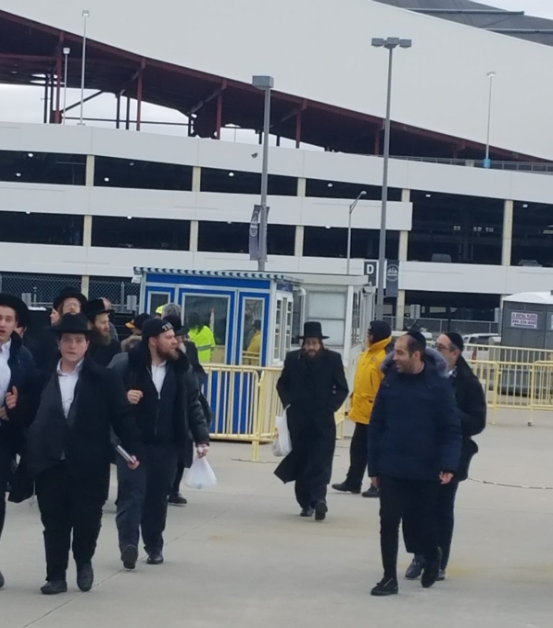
(499, 353)
(244, 404)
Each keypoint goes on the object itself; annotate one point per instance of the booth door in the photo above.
(252, 330)
(283, 326)
(217, 310)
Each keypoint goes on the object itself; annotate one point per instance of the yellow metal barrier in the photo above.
(512, 355)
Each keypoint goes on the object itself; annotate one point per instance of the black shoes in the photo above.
(54, 587)
(372, 491)
(320, 511)
(129, 556)
(177, 499)
(415, 568)
(431, 571)
(85, 577)
(387, 586)
(155, 558)
(344, 487)
(307, 512)
(2, 581)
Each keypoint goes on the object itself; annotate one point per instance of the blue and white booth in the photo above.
(235, 305)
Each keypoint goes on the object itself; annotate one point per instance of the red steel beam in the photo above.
(139, 90)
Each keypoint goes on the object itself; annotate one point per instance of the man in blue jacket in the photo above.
(414, 446)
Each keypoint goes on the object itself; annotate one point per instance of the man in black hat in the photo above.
(312, 388)
(161, 385)
(69, 451)
(70, 301)
(471, 403)
(414, 445)
(135, 325)
(17, 374)
(103, 347)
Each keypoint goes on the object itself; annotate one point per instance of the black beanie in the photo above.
(457, 340)
(380, 330)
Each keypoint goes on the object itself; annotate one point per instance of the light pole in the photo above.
(391, 43)
(487, 160)
(66, 52)
(265, 83)
(86, 15)
(351, 210)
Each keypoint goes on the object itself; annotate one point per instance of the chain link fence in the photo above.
(41, 290)
(439, 325)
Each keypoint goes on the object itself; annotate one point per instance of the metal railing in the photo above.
(440, 325)
(518, 166)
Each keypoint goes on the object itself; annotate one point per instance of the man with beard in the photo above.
(69, 450)
(312, 388)
(16, 376)
(103, 347)
(161, 385)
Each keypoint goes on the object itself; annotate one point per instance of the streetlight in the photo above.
(66, 52)
(351, 210)
(391, 43)
(487, 160)
(86, 15)
(265, 83)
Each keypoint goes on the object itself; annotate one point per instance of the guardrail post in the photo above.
(259, 400)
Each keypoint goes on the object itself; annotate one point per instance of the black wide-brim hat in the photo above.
(313, 329)
(95, 308)
(70, 293)
(72, 324)
(18, 306)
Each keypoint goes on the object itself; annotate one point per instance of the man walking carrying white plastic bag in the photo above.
(282, 444)
(200, 475)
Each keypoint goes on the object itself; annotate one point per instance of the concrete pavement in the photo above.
(239, 555)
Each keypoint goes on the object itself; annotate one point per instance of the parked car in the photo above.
(479, 345)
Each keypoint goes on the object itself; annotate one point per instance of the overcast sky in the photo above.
(541, 8)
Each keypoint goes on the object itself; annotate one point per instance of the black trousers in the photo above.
(142, 497)
(445, 515)
(398, 496)
(184, 462)
(5, 471)
(315, 468)
(65, 508)
(358, 456)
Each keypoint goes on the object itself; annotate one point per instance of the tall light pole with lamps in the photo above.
(66, 53)
(265, 83)
(487, 160)
(86, 15)
(391, 43)
(351, 210)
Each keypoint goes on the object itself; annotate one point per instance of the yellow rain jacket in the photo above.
(205, 343)
(368, 378)
(255, 344)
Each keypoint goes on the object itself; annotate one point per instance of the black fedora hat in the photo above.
(313, 329)
(72, 324)
(95, 307)
(18, 306)
(69, 293)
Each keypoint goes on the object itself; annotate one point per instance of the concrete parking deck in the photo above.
(239, 555)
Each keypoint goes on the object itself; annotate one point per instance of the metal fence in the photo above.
(440, 325)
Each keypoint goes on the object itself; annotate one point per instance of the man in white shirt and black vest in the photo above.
(164, 391)
(16, 375)
(69, 450)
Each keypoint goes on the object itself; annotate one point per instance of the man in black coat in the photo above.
(414, 444)
(471, 403)
(17, 372)
(312, 389)
(162, 387)
(103, 347)
(69, 451)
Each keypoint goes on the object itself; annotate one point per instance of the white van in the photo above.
(482, 342)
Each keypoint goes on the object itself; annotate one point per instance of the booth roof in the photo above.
(223, 274)
(544, 298)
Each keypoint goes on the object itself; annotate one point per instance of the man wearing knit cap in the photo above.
(368, 378)
(471, 402)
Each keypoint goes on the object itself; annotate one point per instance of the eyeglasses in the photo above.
(441, 348)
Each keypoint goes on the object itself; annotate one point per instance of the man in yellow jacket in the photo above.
(368, 378)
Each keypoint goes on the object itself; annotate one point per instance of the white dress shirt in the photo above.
(159, 372)
(5, 371)
(68, 383)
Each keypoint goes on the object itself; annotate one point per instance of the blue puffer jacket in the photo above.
(415, 429)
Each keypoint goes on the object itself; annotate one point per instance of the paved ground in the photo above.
(240, 556)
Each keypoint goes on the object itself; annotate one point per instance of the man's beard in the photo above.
(99, 338)
(170, 354)
(312, 356)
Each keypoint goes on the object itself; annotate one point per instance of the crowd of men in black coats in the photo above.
(63, 414)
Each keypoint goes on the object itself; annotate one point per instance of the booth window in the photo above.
(213, 311)
(252, 337)
(155, 300)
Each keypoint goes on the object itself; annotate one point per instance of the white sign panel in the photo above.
(524, 320)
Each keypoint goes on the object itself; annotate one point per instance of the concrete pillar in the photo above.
(89, 177)
(507, 245)
(404, 235)
(196, 178)
(87, 231)
(400, 310)
(298, 243)
(302, 187)
(85, 284)
(194, 230)
(87, 221)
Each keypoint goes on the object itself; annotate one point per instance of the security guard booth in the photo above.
(250, 314)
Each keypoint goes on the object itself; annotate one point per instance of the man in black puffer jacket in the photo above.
(162, 387)
(414, 444)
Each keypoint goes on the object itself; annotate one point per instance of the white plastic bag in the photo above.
(200, 475)
(282, 444)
